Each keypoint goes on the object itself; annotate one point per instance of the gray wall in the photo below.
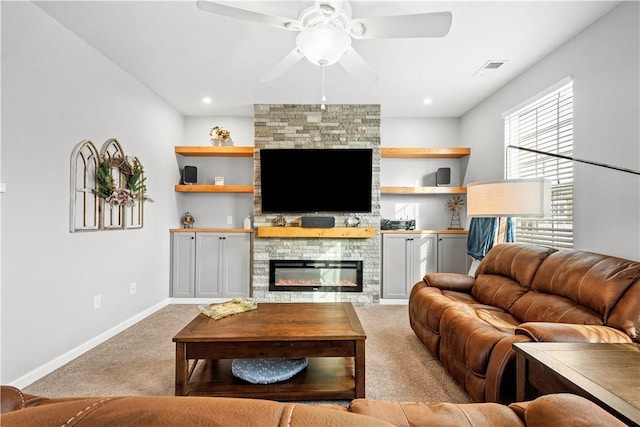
(57, 91)
(604, 63)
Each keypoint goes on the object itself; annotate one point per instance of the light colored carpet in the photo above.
(141, 361)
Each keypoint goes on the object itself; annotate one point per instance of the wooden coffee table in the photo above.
(607, 374)
(329, 334)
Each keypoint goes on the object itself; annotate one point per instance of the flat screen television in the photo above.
(316, 180)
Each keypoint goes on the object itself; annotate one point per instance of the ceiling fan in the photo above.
(327, 28)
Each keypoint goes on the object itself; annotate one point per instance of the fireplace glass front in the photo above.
(315, 275)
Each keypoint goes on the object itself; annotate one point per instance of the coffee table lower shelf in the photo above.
(325, 378)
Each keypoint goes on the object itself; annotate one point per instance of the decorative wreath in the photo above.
(134, 187)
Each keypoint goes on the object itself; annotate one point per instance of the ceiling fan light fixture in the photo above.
(323, 44)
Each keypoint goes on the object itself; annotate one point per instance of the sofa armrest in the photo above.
(569, 332)
(450, 281)
(563, 409)
(13, 399)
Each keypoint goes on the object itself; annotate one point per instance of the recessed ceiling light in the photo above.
(427, 101)
(206, 100)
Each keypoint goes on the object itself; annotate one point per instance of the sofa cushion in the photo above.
(407, 414)
(497, 291)
(518, 262)
(592, 280)
(540, 307)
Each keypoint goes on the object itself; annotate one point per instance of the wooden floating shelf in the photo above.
(423, 190)
(211, 230)
(431, 153)
(199, 151)
(197, 188)
(443, 231)
(329, 233)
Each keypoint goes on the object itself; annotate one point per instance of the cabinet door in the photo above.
(207, 270)
(183, 252)
(452, 254)
(236, 265)
(424, 258)
(406, 258)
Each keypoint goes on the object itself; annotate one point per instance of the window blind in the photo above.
(545, 124)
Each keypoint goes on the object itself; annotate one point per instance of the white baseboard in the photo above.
(197, 300)
(59, 361)
(388, 301)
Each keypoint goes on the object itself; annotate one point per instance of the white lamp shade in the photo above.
(509, 198)
(323, 44)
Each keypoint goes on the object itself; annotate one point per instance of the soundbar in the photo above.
(317, 222)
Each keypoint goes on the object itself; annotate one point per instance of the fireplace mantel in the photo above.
(327, 233)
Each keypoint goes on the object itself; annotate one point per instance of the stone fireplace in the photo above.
(308, 126)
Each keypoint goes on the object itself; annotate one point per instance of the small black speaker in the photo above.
(318, 222)
(443, 176)
(190, 175)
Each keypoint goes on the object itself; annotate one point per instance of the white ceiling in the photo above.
(184, 54)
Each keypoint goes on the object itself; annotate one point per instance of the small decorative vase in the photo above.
(221, 142)
(280, 221)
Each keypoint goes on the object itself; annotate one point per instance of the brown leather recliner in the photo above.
(522, 293)
(555, 410)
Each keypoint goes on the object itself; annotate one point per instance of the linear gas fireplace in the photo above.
(315, 275)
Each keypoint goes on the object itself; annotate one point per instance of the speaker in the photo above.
(443, 176)
(318, 221)
(190, 175)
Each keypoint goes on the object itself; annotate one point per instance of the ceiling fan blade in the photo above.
(355, 65)
(248, 15)
(283, 66)
(403, 26)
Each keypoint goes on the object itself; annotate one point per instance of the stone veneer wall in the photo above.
(308, 126)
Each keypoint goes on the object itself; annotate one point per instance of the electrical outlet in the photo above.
(97, 302)
(229, 220)
(132, 288)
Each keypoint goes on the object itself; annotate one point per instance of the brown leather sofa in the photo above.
(555, 410)
(522, 293)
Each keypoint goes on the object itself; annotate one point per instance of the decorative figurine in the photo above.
(280, 221)
(353, 221)
(187, 220)
(454, 204)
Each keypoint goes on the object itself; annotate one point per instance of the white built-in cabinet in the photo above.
(207, 264)
(407, 257)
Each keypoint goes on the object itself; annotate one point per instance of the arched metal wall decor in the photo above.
(107, 189)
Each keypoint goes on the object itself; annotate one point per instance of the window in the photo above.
(544, 124)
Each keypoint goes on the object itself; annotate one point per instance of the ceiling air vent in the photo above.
(489, 67)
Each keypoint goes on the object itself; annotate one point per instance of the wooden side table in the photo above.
(606, 374)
